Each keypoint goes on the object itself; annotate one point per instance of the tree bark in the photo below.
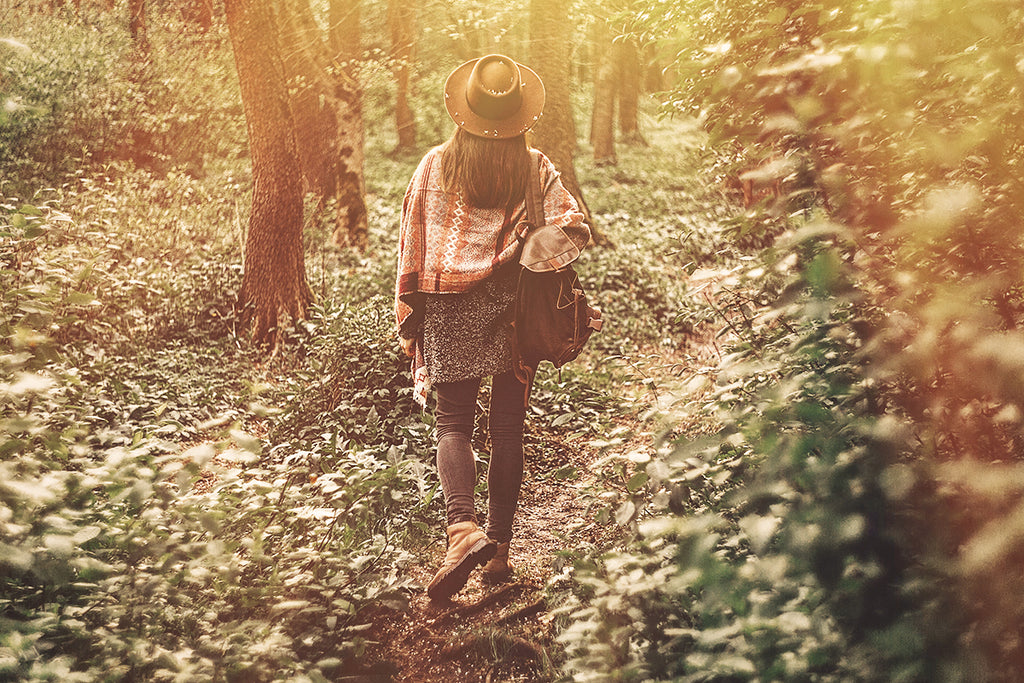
(274, 288)
(345, 33)
(327, 110)
(602, 122)
(401, 26)
(555, 133)
(629, 83)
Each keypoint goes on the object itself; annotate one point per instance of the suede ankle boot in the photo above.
(468, 546)
(498, 570)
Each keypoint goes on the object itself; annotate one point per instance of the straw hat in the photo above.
(494, 97)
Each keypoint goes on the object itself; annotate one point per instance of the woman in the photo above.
(457, 275)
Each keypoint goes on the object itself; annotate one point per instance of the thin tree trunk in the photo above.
(199, 14)
(602, 122)
(137, 24)
(401, 25)
(555, 133)
(629, 82)
(329, 124)
(274, 288)
(654, 79)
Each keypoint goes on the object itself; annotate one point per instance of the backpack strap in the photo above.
(534, 197)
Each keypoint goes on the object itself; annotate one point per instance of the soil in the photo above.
(506, 632)
(503, 632)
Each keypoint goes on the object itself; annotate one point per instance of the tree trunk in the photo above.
(401, 25)
(274, 288)
(345, 33)
(328, 123)
(654, 78)
(555, 133)
(629, 82)
(602, 122)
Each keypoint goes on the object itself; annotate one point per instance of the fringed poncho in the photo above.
(447, 247)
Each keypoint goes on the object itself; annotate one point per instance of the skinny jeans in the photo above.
(455, 413)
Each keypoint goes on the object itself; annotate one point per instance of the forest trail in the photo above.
(494, 633)
(507, 632)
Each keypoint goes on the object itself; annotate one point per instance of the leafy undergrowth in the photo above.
(589, 435)
(175, 506)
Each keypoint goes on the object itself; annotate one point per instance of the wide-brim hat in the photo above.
(494, 97)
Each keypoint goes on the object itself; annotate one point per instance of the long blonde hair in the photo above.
(489, 173)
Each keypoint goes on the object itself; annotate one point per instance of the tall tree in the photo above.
(630, 81)
(602, 122)
(401, 26)
(345, 32)
(555, 133)
(137, 24)
(274, 287)
(327, 110)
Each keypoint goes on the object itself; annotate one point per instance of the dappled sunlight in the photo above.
(793, 453)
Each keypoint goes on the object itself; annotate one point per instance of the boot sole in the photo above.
(456, 578)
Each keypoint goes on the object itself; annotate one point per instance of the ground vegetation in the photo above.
(793, 454)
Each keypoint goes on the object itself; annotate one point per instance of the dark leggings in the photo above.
(456, 409)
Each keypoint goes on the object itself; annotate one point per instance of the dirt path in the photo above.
(505, 632)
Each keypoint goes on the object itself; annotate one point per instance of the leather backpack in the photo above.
(552, 319)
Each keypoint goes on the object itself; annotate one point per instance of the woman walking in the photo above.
(457, 274)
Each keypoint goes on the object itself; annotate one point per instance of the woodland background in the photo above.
(806, 422)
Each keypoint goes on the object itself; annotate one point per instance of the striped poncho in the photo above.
(447, 247)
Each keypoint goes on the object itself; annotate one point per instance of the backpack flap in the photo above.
(548, 248)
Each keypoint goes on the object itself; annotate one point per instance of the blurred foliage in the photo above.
(872, 416)
(75, 91)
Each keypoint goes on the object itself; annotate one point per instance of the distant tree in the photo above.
(199, 14)
(402, 27)
(629, 81)
(137, 24)
(327, 110)
(274, 287)
(555, 133)
(602, 122)
(345, 32)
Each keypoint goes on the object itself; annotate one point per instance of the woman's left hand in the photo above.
(408, 346)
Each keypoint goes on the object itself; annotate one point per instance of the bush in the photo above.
(78, 92)
(874, 428)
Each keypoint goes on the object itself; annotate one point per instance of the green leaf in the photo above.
(636, 482)
(80, 299)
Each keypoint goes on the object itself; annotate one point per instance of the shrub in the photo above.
(146, 533)
(77, 92)
(874, 430)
